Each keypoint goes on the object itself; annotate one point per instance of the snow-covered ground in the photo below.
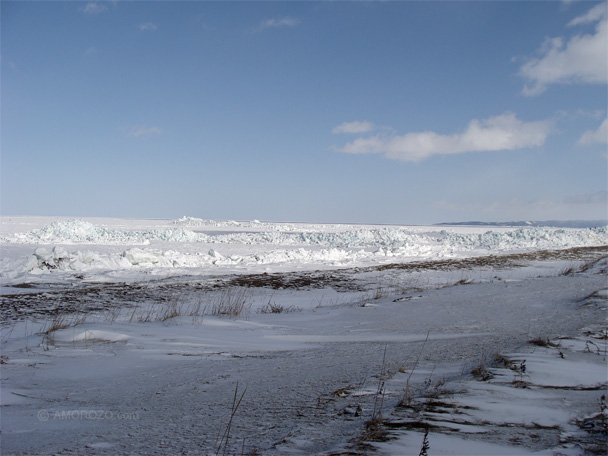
(125, 336)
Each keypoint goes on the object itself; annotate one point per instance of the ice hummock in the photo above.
(79, 245)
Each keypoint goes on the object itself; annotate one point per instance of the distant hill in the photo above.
(546, 223)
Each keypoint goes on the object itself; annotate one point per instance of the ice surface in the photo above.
(396, 239)
(174, 248)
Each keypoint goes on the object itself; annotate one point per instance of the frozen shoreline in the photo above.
(114, 250)
(146, 360)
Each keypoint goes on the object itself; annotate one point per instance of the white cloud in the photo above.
(278, 22)
(504, 132)
(595, 14)
(93, 8)
(151, 26)
(582, 59)
(596, 136)
(141, 131)
(354, 127)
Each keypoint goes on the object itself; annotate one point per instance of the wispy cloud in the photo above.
(595, 14)
(90, 51)
(277, 22)
(504, 132)
(147, 26)
(581, 59)
(589, 206)
(567, 3)
(354, 127)
(141, 131)
(93, 8)
(599, 136)
(600, 197)
(594, 114)
(505, 207)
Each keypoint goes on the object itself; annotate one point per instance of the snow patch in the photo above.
(89, 335)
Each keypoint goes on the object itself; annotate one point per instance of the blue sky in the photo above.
(371, 112)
